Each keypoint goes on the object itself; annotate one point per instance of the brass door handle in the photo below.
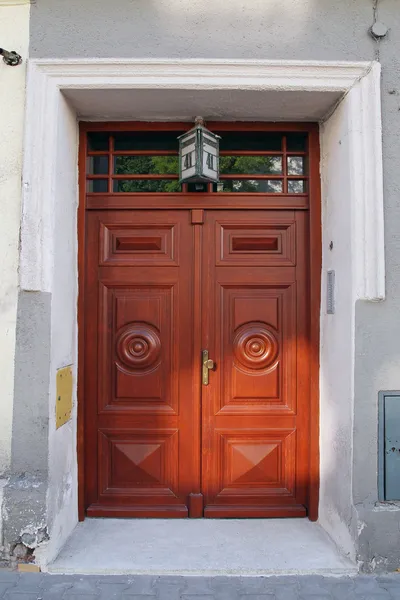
(207, 364)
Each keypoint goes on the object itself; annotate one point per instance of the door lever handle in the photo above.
(207, 364)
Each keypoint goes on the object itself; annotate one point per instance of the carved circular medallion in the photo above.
(138, 346)
(255, 346)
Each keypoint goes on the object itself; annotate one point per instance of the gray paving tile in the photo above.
(286, 593)
(391, 578)
(197, 597)
(73, 596)
(257, 597)
(373, 596)
(111, 591)
(21, 596)
(139, 597)
(7, 575)
(6, 586)
(141, 584)
(169, 588)
(260, 585)
(196, 586)
(51, 595)
(84, 586)
(28, 586)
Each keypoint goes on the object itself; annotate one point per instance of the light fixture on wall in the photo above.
(198, 154)
(11, 58)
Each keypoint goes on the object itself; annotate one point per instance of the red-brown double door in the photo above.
(161, 286)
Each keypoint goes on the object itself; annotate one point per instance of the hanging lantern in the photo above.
(199, 154)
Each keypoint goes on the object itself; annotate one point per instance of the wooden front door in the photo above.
(255, 409)
(161, 285)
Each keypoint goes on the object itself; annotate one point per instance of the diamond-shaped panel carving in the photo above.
(138, 461)
(254, 463)
(258, 462)
(137, 464)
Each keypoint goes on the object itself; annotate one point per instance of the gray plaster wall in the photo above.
(276, 29)
(24, 502)
(31, 411)
(378, 328)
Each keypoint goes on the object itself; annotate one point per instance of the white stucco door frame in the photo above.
(352, 232)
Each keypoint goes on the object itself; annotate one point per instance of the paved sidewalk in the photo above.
(28, 586)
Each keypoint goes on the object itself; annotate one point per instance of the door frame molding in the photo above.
(51, 134)
(166, 201)
(48, 78)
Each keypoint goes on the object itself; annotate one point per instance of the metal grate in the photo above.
(330, 293)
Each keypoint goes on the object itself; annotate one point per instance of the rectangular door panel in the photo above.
(269, 242)
(154, 245)
(255, 408)
(258, 350)
(142, 415)
(257, 463)
(138, 463)
(141, 321)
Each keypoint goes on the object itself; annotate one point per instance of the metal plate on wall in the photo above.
(64, 396)
(389, 446)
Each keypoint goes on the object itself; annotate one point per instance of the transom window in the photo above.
(251, 162)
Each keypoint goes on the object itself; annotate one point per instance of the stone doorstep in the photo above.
(158, 547)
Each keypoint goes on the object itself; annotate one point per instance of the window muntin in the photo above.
(251, 162)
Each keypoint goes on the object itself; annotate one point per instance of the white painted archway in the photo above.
(352, 218)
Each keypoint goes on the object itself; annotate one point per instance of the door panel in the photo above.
(146, 271)
(140, 380)
(258, 347)
(142, 415)
(270, 245)
(255, 408)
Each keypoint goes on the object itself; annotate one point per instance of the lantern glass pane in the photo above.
(146, 140)
(130, 186)
(266, 186)
(142, 165)
(257, 165)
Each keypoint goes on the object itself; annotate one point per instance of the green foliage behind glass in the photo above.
(254, 165)
(143, 165)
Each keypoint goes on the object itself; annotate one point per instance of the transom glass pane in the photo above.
(296, 186)
(251, 161)
(295, 165)
(259, 165)
(296, 142)
(141, 165)
(97, 186)
(97, 141)
(266, 186)
(146, 185)
(97, 165)
(147, 140)
(249, 140)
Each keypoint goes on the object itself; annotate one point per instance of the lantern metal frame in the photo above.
(200, 138)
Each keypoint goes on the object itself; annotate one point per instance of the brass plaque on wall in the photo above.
(64, 396)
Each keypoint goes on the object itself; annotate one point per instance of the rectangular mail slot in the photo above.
(389, 446)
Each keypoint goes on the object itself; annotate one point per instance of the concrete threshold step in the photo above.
(211, 547)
